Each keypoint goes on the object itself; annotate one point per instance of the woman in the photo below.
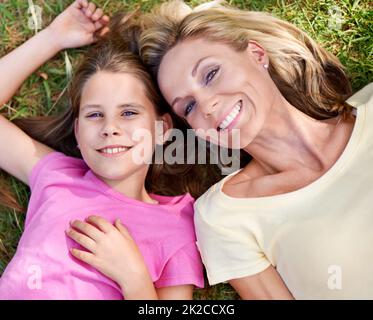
(295, 221)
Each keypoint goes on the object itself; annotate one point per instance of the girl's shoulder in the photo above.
(182, 200)
(56, 164)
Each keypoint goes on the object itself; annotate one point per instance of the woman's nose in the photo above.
(209, 108)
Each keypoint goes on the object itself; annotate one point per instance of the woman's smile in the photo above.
(231, 119)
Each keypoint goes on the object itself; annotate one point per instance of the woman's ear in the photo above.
(255, 50)
(164, 133)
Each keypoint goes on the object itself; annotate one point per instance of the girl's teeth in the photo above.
(114, 150)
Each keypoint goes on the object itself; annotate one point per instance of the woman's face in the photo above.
(115, 129)
(215, 87)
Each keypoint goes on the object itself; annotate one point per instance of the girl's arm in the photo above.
(266, 285)
(76, 26)
(114, 253)
(183, 292)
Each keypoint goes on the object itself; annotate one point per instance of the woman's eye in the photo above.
(189, 107)
(210, 75)
(94, 115)
(128, 113)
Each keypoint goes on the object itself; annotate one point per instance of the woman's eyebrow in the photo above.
(193, 75)
(175, 101)
(197, 65)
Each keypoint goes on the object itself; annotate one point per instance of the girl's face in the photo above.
(213, 86)
(115, 129)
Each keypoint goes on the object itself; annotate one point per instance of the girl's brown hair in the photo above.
(115, 53)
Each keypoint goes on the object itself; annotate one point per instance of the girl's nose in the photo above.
(111, 130)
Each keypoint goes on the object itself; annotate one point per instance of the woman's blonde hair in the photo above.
(309, 77)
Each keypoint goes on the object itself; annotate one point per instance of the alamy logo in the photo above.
(35, 19)
(34, 281)
(335, 278)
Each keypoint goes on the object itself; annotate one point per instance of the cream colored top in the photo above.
(319, 237)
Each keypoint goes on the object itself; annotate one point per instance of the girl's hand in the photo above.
(79, 25)
(112, 251)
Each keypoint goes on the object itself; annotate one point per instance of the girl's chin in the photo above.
(112, 178)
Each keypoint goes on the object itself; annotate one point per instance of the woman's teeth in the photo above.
(230, 117)
(113, 150)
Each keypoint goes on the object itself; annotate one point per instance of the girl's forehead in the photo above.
(109, 86)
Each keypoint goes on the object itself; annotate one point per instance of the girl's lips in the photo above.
(112, 155)
(114, 151)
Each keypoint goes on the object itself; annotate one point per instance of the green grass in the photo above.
(352, 44)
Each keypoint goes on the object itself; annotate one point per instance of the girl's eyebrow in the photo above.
(91, 106)
(120, 106)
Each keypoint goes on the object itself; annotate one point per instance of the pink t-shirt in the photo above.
(63, 189)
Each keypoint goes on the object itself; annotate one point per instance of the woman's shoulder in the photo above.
(213, 199)
(363, 96)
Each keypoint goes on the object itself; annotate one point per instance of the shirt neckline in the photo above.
(163, 201)
(316, 184)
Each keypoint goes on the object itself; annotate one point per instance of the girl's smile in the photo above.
(113, 151)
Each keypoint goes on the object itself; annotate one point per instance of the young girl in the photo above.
(112, 97)
(296, 221)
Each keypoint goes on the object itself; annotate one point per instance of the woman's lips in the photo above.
(231, 119)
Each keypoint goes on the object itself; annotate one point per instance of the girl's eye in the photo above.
(189, 107)
(128, 113)
(211, 75)
(94, 115)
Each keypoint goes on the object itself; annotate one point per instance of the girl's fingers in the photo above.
(84, 256)
(97, 14)
(101, 223)
(105, 19)
(80, 4)
(98, 25)
(87, 229)
(123, 230)
(90, 10)
(82, 239)
(101, 24)
(103, 31)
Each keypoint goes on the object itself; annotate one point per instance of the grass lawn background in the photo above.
(351, 41)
